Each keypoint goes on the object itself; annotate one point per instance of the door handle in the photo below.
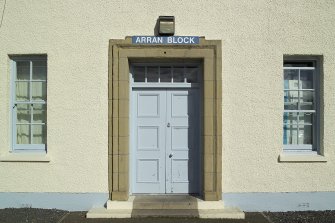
(168, 125)
(171, 155)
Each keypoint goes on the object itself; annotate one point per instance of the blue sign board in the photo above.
(166, 40)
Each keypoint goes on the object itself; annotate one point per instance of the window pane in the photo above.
(291, 79)
(39, 113)
(152, 74)
(39, 70)
(305, 118)
(306, 100)
(298, 64)
(23, 113)
(291, 100)
(306, 79)
(22, 91)
(305, 134)
(178, 74)
(22, 70)
(23, 134)
(290, 134)
(290, 118)
(39, 91)
(192, 74)
(139, 74)
(39, 134)
(165, 74)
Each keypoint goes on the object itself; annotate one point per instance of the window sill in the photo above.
(19, 157)
(304, 157)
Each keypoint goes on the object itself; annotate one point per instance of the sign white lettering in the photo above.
(165, 40)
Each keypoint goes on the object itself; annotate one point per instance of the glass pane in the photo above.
(23, 113)
(22, 70)
(298, 64)
(305, 134)
(290, 134)
(306, 100)
(178, 74)
(305, 118)
(39, 134)
(152, 74)
(306, 79)
(290, 118)
(39, 113)
(291, 79)
(165, 74)
(39, 91)
(139, 74)
(192, 74)
(22, 91)
(291, 100)
(23, 134)
(39, 70)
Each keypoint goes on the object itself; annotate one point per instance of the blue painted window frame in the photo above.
(25, 148)
(314, 148)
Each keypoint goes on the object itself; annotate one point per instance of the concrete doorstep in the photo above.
(165, 206)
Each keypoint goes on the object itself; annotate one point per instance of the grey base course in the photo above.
(279, 202)
(62, 201)
(300, 201)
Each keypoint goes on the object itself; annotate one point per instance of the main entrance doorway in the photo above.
(165, 130)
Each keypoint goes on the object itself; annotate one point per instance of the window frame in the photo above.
(170, 84)
(30, 148)
(314, 148)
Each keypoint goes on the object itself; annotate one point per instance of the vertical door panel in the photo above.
(182, 142)
(149, 141)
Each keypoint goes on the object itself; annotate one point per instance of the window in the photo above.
(301, 105)
(165, 73)
(29, 103)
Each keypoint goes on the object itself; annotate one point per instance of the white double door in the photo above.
(165, 127)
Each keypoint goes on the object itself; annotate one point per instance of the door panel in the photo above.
(179, 104)
(166, 141)
(148, 105)
(148, 170)
(148, 138)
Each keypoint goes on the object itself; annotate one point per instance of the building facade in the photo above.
(239, 108)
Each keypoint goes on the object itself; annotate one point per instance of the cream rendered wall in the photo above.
(255, 35)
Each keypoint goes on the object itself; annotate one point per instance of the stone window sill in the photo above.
(303, 157)
(20, 157)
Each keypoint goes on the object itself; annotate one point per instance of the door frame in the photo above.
(121, 52)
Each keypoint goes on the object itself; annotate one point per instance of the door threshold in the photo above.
(196, 196)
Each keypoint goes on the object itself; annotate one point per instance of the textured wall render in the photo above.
(255, 36)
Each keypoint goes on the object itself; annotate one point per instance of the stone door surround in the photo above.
(121, 52)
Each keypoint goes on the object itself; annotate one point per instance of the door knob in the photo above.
(168, 125)
(171, 155)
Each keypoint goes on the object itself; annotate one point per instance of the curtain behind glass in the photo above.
(31, 116)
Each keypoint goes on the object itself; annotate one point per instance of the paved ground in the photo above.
(31, 215)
